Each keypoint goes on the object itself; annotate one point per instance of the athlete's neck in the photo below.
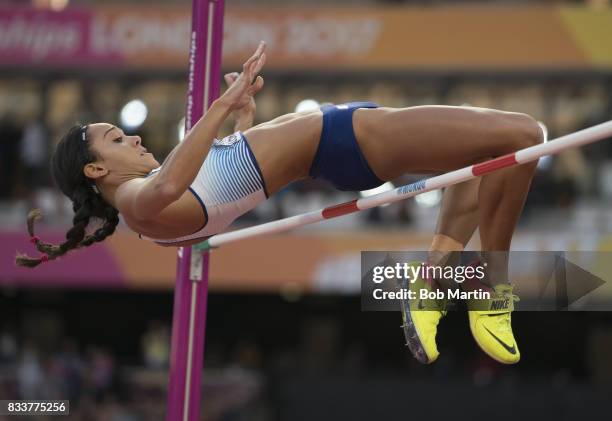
(108, 185)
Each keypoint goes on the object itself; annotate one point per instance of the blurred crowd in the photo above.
(99, 387)
(24, 157)
(86, 378)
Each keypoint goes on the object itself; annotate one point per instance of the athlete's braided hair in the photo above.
(73, 152)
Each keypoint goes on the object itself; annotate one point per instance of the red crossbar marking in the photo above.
(341, 209)
(495, 164)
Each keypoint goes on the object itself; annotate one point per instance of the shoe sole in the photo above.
(411, 334)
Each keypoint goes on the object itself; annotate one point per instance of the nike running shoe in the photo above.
(421, 317)
(490, 323)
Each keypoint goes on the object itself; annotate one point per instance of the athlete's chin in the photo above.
(152, 161)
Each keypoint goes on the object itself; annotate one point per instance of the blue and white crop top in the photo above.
(228, 185)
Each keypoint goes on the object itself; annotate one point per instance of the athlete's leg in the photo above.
(437, 138)
(458, 217)
(457, 220)
(443, 139)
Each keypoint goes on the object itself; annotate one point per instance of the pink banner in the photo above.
(30, 36)
(93, 267)
(111, 37)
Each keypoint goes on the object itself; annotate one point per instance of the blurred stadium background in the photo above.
(286, 339)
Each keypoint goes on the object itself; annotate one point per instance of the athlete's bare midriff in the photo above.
(285, 147)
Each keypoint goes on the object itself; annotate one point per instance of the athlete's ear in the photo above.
(95, 170)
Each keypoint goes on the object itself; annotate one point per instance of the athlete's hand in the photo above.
(248, 110)
(248, 83)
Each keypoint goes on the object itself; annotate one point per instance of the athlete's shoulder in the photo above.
(129, 194)
(126, 192)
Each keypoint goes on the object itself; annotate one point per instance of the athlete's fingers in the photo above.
(231, 78)
(257, 85)
(246, 79)
(260, 63)
(256, 55)
(251, 71)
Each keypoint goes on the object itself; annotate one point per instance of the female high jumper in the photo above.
(205, 183)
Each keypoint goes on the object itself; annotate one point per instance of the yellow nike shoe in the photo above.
(491, 324)
(421, 317)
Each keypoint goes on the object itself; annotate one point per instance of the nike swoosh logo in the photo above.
(511, 350)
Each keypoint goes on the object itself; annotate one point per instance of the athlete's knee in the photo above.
(524, 131)
(513, 131)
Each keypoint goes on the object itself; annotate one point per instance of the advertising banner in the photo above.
(303, 39)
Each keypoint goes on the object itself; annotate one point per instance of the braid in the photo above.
(111, 220)
(87, 204)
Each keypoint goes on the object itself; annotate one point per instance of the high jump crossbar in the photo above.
(533, 153)
(191, 292)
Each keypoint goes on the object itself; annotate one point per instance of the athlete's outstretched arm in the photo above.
(145, 198)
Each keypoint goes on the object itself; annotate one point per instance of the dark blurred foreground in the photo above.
(319, 358)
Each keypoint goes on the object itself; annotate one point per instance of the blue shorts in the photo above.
(339, 159)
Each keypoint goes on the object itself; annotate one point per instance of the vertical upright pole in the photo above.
(190, 296)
